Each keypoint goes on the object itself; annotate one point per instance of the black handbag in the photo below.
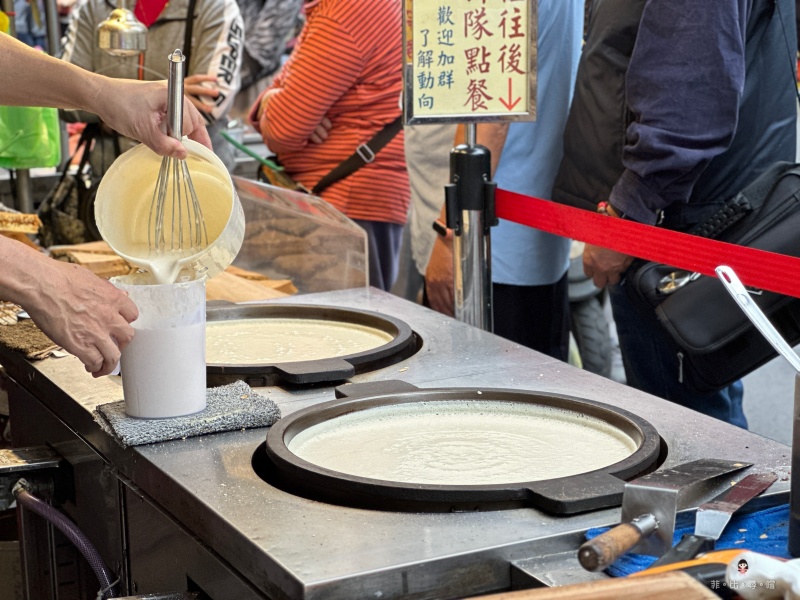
(714, 341)
(60, 211)
(67, 213)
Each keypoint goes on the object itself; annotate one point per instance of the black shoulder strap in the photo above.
(187, 39)
(363, 155)
(90, 132)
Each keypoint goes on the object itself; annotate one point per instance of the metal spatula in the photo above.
(712, 518)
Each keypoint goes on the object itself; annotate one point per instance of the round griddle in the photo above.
(403, 344)
(592, 490)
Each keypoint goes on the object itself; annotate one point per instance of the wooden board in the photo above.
(229, 287)
(102, 265)
(673, 585)
(234, 285)
(100, 247)
(282, 285)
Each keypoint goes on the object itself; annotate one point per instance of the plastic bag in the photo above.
(30, 137)
(271, 172)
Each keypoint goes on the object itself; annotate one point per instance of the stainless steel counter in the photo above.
(284, 546)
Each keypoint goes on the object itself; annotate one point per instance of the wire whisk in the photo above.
(176, 219)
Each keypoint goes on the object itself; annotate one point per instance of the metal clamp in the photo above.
(15, 462)
(365, 153)
(671, 283)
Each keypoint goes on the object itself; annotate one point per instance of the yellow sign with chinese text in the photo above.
(470, 60)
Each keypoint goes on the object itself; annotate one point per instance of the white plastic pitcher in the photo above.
(125, 194)
(164, 366)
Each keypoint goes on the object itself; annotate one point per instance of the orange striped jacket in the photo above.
(347, 65)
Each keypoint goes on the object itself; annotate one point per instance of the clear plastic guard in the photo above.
(297, 236)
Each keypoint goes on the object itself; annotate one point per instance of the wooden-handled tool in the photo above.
(600, 552)
(649, 506)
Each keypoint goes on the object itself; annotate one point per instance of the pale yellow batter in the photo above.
(265, 341)
(463, 443)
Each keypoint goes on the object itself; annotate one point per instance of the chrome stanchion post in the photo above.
(469, 200)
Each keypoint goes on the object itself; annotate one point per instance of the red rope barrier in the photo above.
(756, 268)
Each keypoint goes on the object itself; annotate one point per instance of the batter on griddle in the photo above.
(259, 341)
(463, 443)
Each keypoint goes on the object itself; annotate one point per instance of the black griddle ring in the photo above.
(593, 490)
(404, 343)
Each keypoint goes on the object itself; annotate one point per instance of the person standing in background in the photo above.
(671, 118)
(29, 23)
(529, 267)
(340, 87)
(212, 67)
(268, 26)
(427, 149)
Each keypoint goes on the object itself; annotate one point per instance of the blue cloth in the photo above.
(27, 30)
(532, 151)
(765, 531)
(651, 365)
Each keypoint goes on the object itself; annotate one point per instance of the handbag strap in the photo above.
(363, 155)
(187, 39)
(89, 133)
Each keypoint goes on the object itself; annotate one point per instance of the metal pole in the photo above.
(472, 273)
(470, 213)
(471, 134)
(24, 185)
(53, 27)
(24, 188)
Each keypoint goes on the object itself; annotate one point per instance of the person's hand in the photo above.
(264, 100)
(82, 313)
(195, 90)
(138, 109)
(439, 276)
(604, 266)
(320, 133)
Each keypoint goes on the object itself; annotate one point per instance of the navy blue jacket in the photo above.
(679, 101)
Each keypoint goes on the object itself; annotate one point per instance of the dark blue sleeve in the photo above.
(683, 86)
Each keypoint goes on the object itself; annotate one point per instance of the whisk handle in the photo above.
(175, 95)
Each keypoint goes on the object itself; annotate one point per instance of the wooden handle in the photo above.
(598, 553)
(666, 586)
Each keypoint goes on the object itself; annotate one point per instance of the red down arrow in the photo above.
(511, 102)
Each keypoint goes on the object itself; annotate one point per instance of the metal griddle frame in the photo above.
(602, 488)
(404, 343)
